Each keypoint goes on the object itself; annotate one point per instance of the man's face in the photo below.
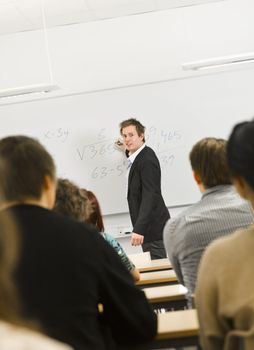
(131, 138)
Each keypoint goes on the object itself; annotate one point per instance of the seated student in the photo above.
(16, 333)
(225, 285)
(219, 212)
(71, 201)
(83, 206)
(65, 267)
(96, 219)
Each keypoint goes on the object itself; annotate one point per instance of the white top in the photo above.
(133, 156)
(131, 159)
(13, 337)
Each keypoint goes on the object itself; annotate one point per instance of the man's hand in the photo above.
(136, 239)
(119, 145)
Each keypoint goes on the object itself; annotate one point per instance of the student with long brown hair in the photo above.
(96, 219)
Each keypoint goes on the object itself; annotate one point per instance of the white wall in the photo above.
(127, 51)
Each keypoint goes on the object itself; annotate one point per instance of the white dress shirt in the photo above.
(130, 161)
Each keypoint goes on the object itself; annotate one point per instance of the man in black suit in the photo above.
(66, 268)
(148, 211)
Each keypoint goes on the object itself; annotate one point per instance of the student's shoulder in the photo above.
(188, 214)
(228, 245)
(24, 338)
(72, 228)
(61, 219)
(110, 239)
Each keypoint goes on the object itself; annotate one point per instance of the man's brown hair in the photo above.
(208, 160)
(132, 121)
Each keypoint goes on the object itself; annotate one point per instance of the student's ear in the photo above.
(242, 187)
(47, 182)
(199, 181)
(197, 178)
(49, 191)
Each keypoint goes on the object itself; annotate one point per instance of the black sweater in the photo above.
(65, 269)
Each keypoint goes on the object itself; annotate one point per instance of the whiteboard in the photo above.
(80, 130)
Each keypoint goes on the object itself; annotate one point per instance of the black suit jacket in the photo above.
(64, 270)
(148, 211)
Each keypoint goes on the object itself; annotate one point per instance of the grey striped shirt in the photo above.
(219, 212)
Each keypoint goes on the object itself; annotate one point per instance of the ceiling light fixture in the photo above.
(29, 89)
(219, 62)
(38, 88)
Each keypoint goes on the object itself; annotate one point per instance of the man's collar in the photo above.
(134, 155)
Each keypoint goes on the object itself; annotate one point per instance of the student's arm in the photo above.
(119, 145)
(126, 309)
(176, 267)
(135, 274)
(123, 256)
(213, 327)
(172, 249)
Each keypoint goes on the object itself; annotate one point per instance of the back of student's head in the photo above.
(240, 151)
(208, 160)
(71, 201)
(26, 164)
(95, 217)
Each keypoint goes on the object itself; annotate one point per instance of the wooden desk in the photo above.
(177, 329)
(172, 297)
(154, 265)
(157, 277)
(140, 258)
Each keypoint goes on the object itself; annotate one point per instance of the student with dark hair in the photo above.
(148, 211)
(225, 287)
(71, 201)
(83, 206)
(15, 332)
(219, 212)
(65, 267)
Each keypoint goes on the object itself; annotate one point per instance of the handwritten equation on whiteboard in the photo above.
(59, 134)
(164, 142)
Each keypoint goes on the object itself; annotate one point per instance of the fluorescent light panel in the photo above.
(28, 89)
(219, 62)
